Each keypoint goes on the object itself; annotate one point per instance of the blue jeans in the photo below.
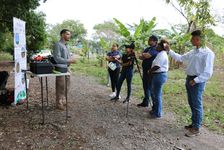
(147, 86)
(125, 74)
(158, 80)
(194, 95)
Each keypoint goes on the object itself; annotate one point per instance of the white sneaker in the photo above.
(119, 97)
(112, 95)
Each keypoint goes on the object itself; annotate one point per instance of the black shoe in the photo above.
(142, 105)
(126, 100)
(115, 98)
(152, 116)
(151, 112)
(188, 127)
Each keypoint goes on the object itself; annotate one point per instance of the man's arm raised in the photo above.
(177, 57)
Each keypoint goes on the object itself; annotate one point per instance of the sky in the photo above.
(92, 12)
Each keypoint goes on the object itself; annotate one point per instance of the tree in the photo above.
(12, 8)
(162, 33)
(141, 32)
(35, 23)
(107, 30)
(196, 13)
(76, 27)
(215, 42)
(36, 31)
(104, 46)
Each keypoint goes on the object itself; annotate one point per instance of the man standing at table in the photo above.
(63, 59)
(199, 69)
(147, 57)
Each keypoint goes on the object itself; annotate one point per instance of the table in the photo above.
(41, 76)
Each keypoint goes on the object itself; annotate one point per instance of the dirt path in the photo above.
(95, 123)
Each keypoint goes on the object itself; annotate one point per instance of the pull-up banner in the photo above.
(20, 59)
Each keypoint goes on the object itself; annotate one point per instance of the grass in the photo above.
(175, 99)
(5, 56)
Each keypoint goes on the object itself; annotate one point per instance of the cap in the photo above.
(132, 46)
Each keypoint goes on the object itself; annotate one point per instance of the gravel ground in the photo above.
(95, 123)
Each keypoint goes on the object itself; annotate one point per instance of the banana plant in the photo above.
(141, 32)
(104, 47)
(180, 40)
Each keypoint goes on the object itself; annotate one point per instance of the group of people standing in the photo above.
(155, 65)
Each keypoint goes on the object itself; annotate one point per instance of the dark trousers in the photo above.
(114, 75)
(147, 86)
(194, 94)
(125, 74)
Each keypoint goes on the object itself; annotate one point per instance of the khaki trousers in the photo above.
(60, 89)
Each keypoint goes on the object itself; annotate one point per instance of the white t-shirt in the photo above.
(162, 61)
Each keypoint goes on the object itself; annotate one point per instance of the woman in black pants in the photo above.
(113, 67)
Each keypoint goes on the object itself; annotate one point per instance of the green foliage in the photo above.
(122, 29)
(216, 42)
(198, 16)
(35, 31)
(107, 25)
(104, 47)
(35, 23)
(5, 56)
(103, 44)
(6, 44)
(91, 68)
(197, 13)
(181, 41)
(76, 27)
(85, 49)
(141, 32)
(174, 94)
(107, 30)
(162, 33)
(139, 28)
(12, 8)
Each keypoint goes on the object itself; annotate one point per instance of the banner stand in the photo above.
(20, 55)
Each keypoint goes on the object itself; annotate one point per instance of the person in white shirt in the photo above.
(158, 71)
(199, 69)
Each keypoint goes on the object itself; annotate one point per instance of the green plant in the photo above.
(141, 32)
(174, 94)
(5, 56)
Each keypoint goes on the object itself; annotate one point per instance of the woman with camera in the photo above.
(127, 62)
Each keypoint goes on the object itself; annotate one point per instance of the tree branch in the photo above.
(180, 11)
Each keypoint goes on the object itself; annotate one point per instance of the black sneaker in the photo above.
(142, 105)
(151, 112)
(126, 100)
(152, 116)
(115, 98)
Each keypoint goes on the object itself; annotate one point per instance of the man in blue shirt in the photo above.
(148, 55)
